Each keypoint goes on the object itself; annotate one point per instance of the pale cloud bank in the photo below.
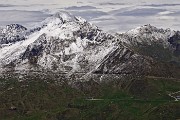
(110, 15)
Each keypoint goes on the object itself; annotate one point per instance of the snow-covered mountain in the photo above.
(69, 44)
(12, 33)
(63, 42)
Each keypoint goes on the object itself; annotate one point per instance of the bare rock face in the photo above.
(175, 42)
(125, 62)
(68, 44)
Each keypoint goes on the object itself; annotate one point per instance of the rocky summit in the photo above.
(68, 44)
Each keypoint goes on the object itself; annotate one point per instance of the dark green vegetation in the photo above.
(158, 52)
(130, 99)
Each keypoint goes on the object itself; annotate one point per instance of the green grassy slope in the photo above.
(136, 99)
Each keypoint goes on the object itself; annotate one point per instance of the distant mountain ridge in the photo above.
(68, 44)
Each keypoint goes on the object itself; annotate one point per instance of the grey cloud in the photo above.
(21, 17)
(80, 8)
(29, 5)
(89, 15)
(119, 25)
(162, 5)
(140, 12)
(175, 13)
(119, 10)
(110, 3)
(6, 5)
(102, 19)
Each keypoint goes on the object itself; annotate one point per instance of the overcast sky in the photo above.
(109, 15)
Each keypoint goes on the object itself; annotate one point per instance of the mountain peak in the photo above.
(62, 19)
(15, 26)
(12, 33)
(61, 40)
(64, 16)
(144, 28)
(148, 29)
